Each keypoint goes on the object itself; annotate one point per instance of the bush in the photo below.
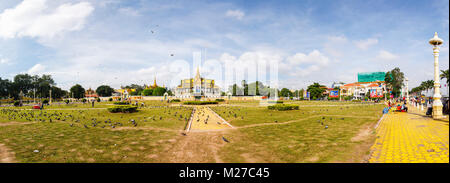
(220, 100)
(175, 100)
(110, 99)
(45, 101)
(200, 102)
(66, 101)
(356, 100)
(275, 102)
(17, 103)
(98, 99)
(84, 100)
(122, 108)
(121, 103)
(283, 107)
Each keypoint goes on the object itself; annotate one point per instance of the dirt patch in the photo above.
(362, 134)
(195, 148)
(15, 123)
(6, 155)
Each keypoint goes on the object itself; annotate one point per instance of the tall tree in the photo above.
(234, 89)
(77, 91)
(104, 91)
(159, 91)
(5, 87)
(394, 80)
(316, 91)
(285, 93)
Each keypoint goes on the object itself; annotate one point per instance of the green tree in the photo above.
(316, 90)
(5, 87)
(394, 80)
(234, 89)
(147, 92)
(77, 91)
(445, 75)
(58, 93)
(159, 91)
(104, 91)
(285, 93)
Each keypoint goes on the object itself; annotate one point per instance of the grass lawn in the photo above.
(79, 133)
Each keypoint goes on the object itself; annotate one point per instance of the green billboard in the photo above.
(371, 76)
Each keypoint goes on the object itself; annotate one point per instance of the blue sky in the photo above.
(94, 42)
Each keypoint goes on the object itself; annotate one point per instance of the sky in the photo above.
(120, 42)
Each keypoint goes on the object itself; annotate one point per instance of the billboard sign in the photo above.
(334, 93)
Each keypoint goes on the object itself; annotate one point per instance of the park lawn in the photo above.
(157, 117)
(241, 116)
(302, 141)
(60, 143)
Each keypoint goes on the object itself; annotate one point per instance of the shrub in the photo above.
(283, 107)
(98, 99)
(110, 99)
(66, 101)
(45, 101)
(121, 103)
(122, 108)
(220, 100)
(275, 102)
(84, 100)
(200, 102)
(175, 100)
(16, 103)
(356, 100)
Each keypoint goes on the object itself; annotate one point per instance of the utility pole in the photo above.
(50, 96)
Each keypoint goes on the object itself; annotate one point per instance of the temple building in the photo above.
(152, 86)
(197, 87)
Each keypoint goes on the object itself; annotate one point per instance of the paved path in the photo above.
(206, 119)
(411, 138)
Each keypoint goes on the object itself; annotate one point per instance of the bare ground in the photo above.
(6, 155)
(195, 147)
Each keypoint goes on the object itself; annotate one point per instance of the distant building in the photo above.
(197, 87)
(359, 90)
(90, 93)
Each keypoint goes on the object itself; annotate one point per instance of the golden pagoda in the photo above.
(152, 86)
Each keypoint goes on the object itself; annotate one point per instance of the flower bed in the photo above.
(283, 107)
(123, 109)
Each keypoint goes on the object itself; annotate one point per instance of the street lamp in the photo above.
(437, 104)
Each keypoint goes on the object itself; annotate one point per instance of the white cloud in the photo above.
(33, 18)
(36, 69)
(386, 56)
(365, 44)
(238, 14)
(315, 57)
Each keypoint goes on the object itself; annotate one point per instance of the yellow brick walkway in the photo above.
(411, 138)
(204, 114)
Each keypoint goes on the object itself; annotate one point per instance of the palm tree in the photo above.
(445, 75)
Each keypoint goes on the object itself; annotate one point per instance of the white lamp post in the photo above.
(437, 104)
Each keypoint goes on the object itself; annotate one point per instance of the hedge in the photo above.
(121, 103)
(122, 108)
(175, 100)
(200, 102)
(283, 107)
(220, 100)
(275, 102)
